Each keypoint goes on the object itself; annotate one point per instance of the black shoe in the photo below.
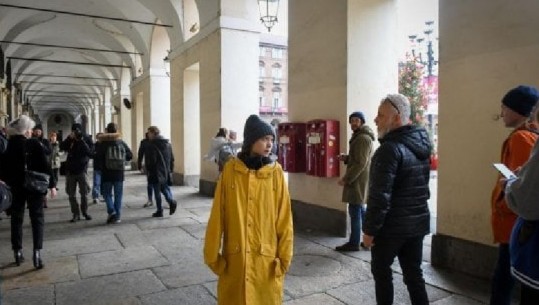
(95, 201)
(38, 263)
(363, 247)
(173, 206)
(348, 247)
(158, 214)
(111, 219)
(18, 257)
(87, 217)
(75, 218)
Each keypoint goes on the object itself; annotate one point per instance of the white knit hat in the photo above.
(20, 125)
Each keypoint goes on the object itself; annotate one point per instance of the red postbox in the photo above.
(291, 154)
(323, 148)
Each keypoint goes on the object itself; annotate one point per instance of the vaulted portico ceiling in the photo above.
(65, 45)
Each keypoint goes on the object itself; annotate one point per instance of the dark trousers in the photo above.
(502, 280)
(35, 208)
(55, 175)
(409, 251)
(528, 295)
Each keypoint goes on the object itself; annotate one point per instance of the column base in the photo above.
(463, 255)
(188, 180)
(207, 187)
(317, 218)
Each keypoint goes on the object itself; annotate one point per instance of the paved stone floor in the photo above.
(144, 260)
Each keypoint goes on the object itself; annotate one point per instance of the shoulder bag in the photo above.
(35, 182)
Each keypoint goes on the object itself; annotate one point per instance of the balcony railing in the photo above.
(272, 110)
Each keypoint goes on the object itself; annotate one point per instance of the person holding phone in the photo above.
(356, 179)
(522, 195)
(516, 109)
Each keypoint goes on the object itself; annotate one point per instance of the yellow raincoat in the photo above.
(249, 238)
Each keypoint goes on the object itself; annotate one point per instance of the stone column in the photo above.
(487, 48)
(342, 58)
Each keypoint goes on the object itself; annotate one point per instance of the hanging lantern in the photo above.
(268, 12)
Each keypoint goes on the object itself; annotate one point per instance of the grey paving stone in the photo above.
(193, 295)
(165, 222)
(317, 269)
(167, 256)
(363, 293)
(458, 283)
(133, 239)
(316, 299)
(111, 262)
(59, 269)
(198, 231)
(41, 295)
(80, 245)
(100, 290)
(122, 301)
(457, 300)
(188, 270)
(212, 288)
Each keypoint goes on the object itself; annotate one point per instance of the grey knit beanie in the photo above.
(255, 129)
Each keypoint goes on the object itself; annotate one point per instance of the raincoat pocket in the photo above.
(218, 267)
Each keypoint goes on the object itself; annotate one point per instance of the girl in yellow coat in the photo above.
(249, 238)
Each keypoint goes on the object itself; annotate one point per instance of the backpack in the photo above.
(115, 157)
(225, 152)
(5, 197)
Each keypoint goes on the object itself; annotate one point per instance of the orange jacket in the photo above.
(516, 150)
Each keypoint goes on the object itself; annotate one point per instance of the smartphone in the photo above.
(506, 172)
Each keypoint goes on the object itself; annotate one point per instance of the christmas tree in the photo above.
(412, 86)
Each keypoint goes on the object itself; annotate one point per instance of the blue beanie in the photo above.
(357, 114)
(521, 99)
(255, 129)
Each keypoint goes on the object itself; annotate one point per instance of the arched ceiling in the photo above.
(68, 56)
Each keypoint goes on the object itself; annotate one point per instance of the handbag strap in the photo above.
(25, 155)
(160, 156)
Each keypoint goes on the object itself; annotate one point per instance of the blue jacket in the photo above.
(524, 249)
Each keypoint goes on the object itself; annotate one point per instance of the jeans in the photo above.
(149, 188)
(502, 280)
(113, 207)
(159, 188)
(96, 188)
(409, 251)
(357, 215)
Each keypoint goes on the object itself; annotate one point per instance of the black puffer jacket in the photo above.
(399, 185)
(158, 168)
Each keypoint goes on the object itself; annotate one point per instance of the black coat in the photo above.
(105, 141)
(141, 149)
(399, 185)
(79, 153)
(13, 160)
(158, 169)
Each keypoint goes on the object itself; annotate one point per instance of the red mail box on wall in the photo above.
(322, 148)
(291, 141)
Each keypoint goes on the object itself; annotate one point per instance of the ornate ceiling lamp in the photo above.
(268, 12)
